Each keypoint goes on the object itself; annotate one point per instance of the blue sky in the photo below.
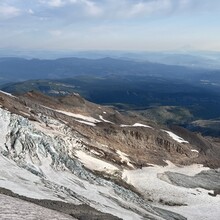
(110, 24)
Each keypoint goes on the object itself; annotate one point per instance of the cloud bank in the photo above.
(7, 12)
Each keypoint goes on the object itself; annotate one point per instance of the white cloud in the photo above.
(55, 33)
(30, 11)
(53, 3)
(83, 7)
(56, 3)
(118, 9)
(146, 8)
(149, 7)
(92, 8)
(7, 12)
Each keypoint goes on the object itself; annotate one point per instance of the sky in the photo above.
(152, 25)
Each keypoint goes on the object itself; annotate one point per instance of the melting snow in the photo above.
(6, 93)
(124, 158)
(86, 122)
(136, 125)
(83, 117)
(175, 137)
(100, 116)
(94, 163)
(141, 125)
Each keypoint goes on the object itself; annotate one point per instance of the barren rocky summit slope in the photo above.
(88, 161)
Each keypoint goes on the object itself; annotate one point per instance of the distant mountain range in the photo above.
(19, 69)
(125, 84)
(188, 58)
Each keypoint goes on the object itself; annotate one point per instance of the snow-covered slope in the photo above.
(193, 203)
(39, 161)
(56, 155)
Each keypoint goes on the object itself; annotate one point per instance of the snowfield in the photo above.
(195, 204)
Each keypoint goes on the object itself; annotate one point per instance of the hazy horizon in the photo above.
(126, 25)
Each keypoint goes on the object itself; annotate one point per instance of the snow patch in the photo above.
(136, 125)
(86, 122)
(101, 117)
(6, 93)
(141, 125)
(175, 137)
(124, 158)
(79, 116)
(94, 163)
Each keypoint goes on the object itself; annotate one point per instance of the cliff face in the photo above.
(80, 153)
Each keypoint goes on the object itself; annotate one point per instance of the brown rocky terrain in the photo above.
(143, 145)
